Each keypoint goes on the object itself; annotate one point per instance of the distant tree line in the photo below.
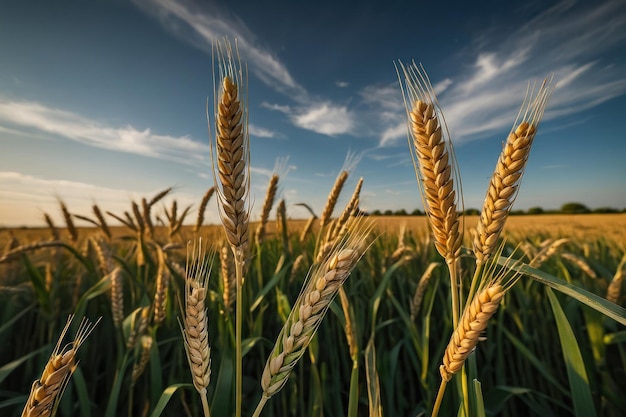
(567, 208)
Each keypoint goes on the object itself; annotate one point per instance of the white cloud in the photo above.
(206, 24)
(22, 115)
(325, 118)
(260, 131)
(276, 107)
(342, 84)
(567, 41)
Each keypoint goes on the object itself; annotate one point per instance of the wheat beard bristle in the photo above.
(435, 173)
(466, 336)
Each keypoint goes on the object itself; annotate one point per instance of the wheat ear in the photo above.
(144, 358)
(434, 160)
(46, 391)
(309, 309)
(614, 290)
(162, 286)
(71, 228)
(196, 326)
(331, 201)
(202, 209)
(506, 178)
(117, 296)
(228, 277)
(435, 167)
(102, 223)
(467, 334)
(231, 168)
(270, 195)
(416, 301)
(53, 230)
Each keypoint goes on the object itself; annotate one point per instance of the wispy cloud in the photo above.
(23, 116)
(261, 132)
(325, 118)
(566, 40)
(205, 24)
(29, 197)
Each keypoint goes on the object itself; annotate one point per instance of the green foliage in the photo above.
(544, 355)
(574, 208)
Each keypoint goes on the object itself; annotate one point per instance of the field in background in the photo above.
(399, 345)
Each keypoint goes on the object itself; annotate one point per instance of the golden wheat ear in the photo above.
(47, 390)
(434, 161)
(507, 176)
(317, 293)
(231, 151)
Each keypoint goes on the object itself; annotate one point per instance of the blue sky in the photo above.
(104, 102)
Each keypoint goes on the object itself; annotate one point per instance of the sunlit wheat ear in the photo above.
(117, 296)
(270, 195)
(47, 390)
(418, 296)
(202, 209)
(495, 282)
(581, 263)
(227, 270)
(331, 201)
(546, 252)
(614, 290)
(507, 175)
(317, 293)
(434, 161)
(195, 326)
(231, 152)
(53, 230)
(71, 228)
(162, 286)
(144, 358)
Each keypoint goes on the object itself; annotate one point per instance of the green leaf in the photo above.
(579, 383)
(478, 399)
(166, 396)
(598, 303)
(267, 288)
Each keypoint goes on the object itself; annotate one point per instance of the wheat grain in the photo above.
(144, 358)
(331, 201)
(434, 163)
(46, 391)
(232, 150)
(270, 195)
(69, 223)
(614, 290)
(416, 301)
(117, 296)
(472, 324)
(309, 309)
(102, 221)
(506, 178)
(228, 277)
(195, 329)
(202, 209)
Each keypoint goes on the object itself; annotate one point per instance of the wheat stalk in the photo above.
(195, 329)
(46, 391)
(435, 167)
(506, 178)
(434, 160)
(310, 308)
(231, 168)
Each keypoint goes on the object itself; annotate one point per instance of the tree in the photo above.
(377, 213)
(574, 208)
(535, 210)
(401, 212)
(472, 212)
(416, 212)
(388, 213)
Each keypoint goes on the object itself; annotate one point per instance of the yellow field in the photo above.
(588, 226)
